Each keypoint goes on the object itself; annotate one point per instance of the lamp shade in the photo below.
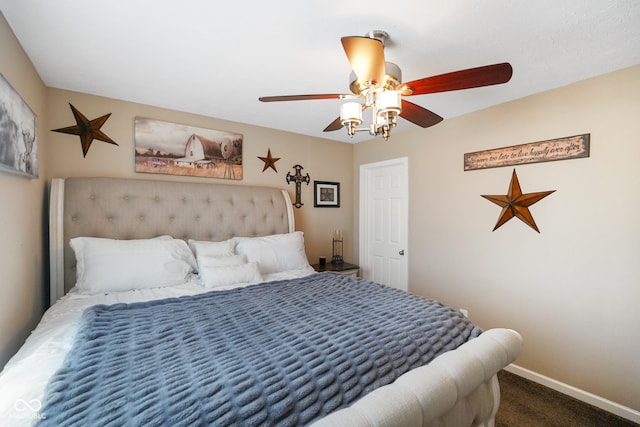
(351, 112)
(389, 101)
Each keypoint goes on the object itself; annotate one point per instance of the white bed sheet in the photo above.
(25, 376)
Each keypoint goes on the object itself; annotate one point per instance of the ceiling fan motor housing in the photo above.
(392, 79)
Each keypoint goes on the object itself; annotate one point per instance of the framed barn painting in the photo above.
(18, 138)
(175, 149)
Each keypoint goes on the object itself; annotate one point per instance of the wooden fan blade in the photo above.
(302, 97)
(457, 80)
(335, 125)
(419, 115)
(366, 56)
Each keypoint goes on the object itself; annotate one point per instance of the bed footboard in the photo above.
(458, 388)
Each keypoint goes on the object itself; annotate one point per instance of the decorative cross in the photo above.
(298, 179)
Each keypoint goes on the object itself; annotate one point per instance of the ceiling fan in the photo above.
(377, 85)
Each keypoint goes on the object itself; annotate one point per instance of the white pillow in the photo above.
(221, 261)
(275, 253)
(107, 265)
(215, 277)
(207, 248)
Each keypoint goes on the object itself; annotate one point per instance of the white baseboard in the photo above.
(584, 396)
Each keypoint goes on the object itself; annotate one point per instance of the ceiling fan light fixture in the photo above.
(351, 112)
(351, 116)
(389, 102)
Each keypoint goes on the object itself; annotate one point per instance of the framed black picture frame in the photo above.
(326, 194)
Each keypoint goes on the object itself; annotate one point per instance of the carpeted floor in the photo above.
(524, 403)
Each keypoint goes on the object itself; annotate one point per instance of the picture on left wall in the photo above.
(175, 149)
(18, 138)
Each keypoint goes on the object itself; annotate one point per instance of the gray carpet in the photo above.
(524, 403)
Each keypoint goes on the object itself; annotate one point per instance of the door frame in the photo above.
(364, 248)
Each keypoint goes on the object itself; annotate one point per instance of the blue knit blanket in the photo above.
(281, 353)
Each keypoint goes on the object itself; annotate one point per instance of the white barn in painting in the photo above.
(201, 152)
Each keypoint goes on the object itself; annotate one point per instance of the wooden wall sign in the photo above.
(571, 147)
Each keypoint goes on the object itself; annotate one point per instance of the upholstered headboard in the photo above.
(120, 208)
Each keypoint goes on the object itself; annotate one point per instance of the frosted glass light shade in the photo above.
(389, 101)
(351, 112)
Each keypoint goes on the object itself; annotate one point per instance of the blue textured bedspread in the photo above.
(281, 353)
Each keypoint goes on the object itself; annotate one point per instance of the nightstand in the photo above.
(345, 268)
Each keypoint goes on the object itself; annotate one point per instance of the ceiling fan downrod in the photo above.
(379, 35)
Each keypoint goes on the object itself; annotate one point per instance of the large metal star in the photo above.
(88, 130)
(517, 204)
(269, 162)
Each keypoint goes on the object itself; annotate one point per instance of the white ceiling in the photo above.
(216, 58)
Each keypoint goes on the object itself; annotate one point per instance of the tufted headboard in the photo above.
(119, 208)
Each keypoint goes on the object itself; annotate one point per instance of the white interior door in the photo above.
(383, 222)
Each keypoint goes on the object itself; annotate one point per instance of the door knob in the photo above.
(401, 252)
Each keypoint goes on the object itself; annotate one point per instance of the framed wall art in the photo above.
(326, 194)
(18, 138)
(175, 149)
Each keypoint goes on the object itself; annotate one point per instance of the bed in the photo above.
(96, 223)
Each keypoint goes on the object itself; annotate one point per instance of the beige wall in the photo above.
(573, 290)
(21, 212)
(323, 159)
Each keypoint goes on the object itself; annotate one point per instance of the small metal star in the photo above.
(88, 130)
(517, 204)
(269, 162)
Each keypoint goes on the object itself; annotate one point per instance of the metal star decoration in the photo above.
(269, 162)
(88, 130)
(517, 204)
